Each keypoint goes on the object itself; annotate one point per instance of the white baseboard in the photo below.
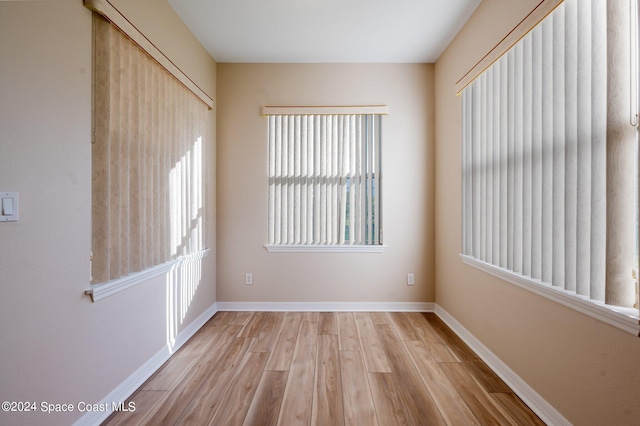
(125, 389)
(327, 306)
(537, 403)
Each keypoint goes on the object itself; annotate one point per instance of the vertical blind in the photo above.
(324, 179)
(147, 153)
(534, 155)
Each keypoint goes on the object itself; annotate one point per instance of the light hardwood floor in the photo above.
(275, 368)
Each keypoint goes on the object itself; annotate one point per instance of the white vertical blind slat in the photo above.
(317, 186)
(547, 132)
(342, 185)
(571, 139)
(352, 177)
(291, 164)
(330, 202)
(524, 152)
(310, 224)
(536, 154)
(506, 244)
(304, 173)
(584, 140)
(324, 144)
(333, 176)
(466, 119)
(490, 167)
(496, 165)
(369, 174)
(272, 177)
(599, 148)
(513, 159)
(284, 187)
(360, 231)
(277, 162)
(297, 206)
(558, 211)
(475, 175)
(483, 166)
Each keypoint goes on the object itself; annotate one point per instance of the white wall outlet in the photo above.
(411, 279)
(248, 279)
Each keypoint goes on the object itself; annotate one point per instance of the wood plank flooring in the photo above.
(328, 368)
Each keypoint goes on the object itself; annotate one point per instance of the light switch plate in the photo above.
(8, 206)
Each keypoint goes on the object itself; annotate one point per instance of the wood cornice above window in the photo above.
(544, 8)
(325, 110)
(113, 15)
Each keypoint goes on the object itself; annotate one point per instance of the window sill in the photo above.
(100, 291)
(626, 319)
(271, 248)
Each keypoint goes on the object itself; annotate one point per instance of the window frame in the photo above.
(317, 111)
(627, 319)
(177, 261)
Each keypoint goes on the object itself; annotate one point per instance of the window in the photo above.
(148, 144)
(325, 177)
(548, 160)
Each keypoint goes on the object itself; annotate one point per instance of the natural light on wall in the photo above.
(186, 225)
(182, 282)
(185, 193)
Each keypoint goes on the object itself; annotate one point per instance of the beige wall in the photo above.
(59, 347)
(408, 184)
(56, 345)
(587, 370)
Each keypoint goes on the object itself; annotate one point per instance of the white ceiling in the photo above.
(331, 31)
